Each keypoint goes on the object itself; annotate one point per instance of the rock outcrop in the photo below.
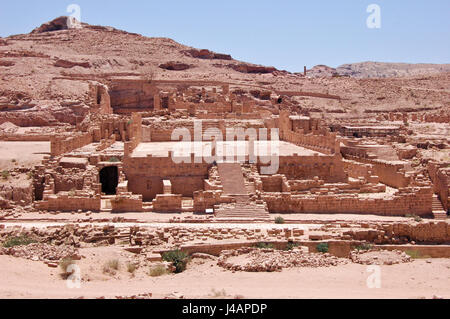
(254, 69)
(70, 64)
(207, 55)
(175, 66)
(58, 24)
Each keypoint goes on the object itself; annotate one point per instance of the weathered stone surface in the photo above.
(175, 66)
(70, 64)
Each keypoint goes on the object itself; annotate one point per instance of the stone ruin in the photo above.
(121, 158)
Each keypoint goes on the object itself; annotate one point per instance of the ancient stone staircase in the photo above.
(232, 179)
(438, 209)
(243, 209)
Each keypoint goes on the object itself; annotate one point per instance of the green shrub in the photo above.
(263, 245)
(5, 174)
(364, 247)
(18, 241)
(279, 220)
(158, 271)
(178, 258)
(114, 160)
(322, 248)
(291, 245)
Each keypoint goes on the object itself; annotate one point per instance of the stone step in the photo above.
(440, 215)
(232, 178)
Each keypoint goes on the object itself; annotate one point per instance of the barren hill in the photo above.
(379, 70)
(47, 75)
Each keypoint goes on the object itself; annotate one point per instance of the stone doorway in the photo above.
(109, 178)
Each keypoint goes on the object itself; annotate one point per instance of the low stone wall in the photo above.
(167, 203)
(62, 145)
(389, 173)
(356, 170)
(416, 202)
(124, 204)
(66, 203)
(22, 195)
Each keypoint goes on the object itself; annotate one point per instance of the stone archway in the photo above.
(109, 178)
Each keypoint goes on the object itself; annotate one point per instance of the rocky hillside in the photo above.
(379, 70)
(46, 75)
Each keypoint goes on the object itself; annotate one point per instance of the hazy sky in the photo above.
(287, 34)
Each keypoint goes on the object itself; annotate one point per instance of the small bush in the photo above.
(131, 268)
(178, 258)
(322, 248)
(158, 271)
(18, 241)
(218, 294)
(291, 246)
(364, 247)
(279, 220)
(5, 174)
(264, 245)
(111, 266)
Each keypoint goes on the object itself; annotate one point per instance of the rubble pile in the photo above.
(271, 260)
(379, 257)
(42, 252)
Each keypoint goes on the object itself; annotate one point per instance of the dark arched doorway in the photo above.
(109, 178)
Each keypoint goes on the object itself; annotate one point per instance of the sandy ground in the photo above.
(27, 154)
(164, 218)
(21, 278)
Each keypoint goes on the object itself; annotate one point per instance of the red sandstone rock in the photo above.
(57, 24)
(69, 64)
(175, 66)
(246, 68)
(206, 54)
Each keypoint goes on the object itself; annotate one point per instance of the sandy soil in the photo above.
(21, 278)
(164, 218)
(27, 154)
